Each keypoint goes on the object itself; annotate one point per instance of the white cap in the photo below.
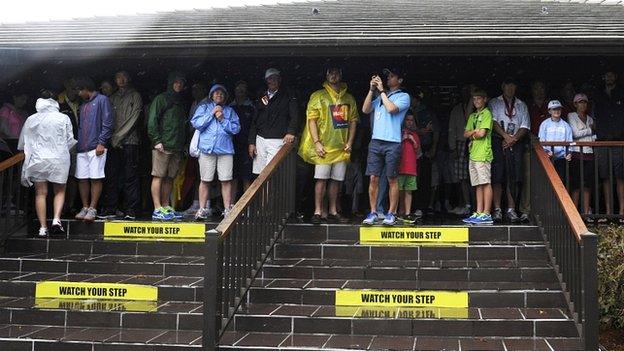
(554, 104)
(271, 72)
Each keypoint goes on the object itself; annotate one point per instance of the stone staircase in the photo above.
(514, 300)
(172, 322)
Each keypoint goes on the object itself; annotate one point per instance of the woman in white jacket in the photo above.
(46, 139)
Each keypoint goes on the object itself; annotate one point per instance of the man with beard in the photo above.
(327, 139)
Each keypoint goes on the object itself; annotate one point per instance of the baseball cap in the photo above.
(580, 97)
(394, 70)
(271, 72)
(553, 104)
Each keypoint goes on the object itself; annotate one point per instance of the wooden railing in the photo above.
(14, 200)
(572, 248)
(237, 248)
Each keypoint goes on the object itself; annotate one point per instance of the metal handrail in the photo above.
(237, 248)
(572, 247)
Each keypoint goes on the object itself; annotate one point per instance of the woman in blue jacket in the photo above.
(217, 123)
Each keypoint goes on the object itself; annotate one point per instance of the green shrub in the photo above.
(611, 274)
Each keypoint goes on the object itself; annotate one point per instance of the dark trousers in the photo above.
(122, 178)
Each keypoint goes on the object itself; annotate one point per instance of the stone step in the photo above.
(415, 272)
(98, 246)
(102, 314)
(66, 338)
(350, 232)
(480, 294)
(190, 266)
(235, 340)
(424, 253)
(414, 327)
(173, 288)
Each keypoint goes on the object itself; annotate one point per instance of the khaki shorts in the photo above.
(335, 171)
(480, 172)
(165, 165)
(222, 164)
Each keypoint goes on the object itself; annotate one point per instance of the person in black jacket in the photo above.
(609, 116)
(276, 122)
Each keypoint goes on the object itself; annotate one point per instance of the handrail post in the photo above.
(590, 285)
(212, 290)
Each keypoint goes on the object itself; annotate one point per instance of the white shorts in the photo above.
(266, 149)
(90, 166)
(335, 171)
(222, 164)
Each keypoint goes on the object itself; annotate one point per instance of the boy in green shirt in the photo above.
(479, 132)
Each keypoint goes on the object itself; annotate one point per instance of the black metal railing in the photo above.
(237, 248)
(591, 176)
(14, 199)
(572, 248)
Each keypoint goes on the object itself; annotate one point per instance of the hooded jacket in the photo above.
(167, 117)
(333, 112)
(96, 123)
(216, 136)
(46, 139)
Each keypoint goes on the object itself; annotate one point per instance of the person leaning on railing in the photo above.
(46, 138)
(582, 125)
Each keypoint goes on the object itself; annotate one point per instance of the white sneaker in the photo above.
(201, 214)
(43, 232)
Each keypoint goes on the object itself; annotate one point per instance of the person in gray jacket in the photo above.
(123, 155)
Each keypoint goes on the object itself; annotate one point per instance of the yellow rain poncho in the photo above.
(333, 111)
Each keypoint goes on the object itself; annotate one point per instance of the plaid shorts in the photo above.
(460, 164)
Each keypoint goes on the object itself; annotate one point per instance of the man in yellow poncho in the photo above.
(332, 117)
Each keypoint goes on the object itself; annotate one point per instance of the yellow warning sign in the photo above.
(413, 235)
(97, 305)
(151, 231)
(397, 298)
(100, 291)
(402, 312)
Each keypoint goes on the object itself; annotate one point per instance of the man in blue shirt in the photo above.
(94, 131)
(387, 110)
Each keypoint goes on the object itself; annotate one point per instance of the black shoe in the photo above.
(337, 218)
(316, 219)
(57, 229)
(130, 216)
(107, 214)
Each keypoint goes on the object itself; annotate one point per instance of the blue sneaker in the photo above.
(390, 219)
(483, 219)
(370, 219)
(160, 214)
(469, 219)
(176, 215)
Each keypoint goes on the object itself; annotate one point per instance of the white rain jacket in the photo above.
(46, 139)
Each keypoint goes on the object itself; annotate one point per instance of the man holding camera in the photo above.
(388, 107)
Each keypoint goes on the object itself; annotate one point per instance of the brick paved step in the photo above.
(61, 338)
(98, 246)
(102, 314)
(191, 266)
(424, 253)
(309, 342)
(350, 232)
(173, 288)
(482, 294)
